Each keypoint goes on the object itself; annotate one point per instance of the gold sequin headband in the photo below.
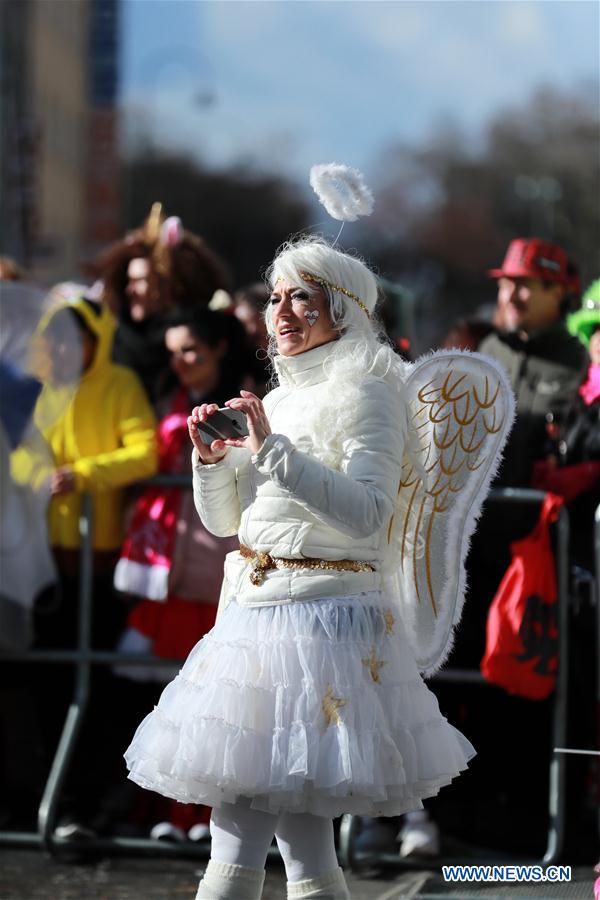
(334, 287)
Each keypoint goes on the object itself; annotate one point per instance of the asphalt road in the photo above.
(32, 875)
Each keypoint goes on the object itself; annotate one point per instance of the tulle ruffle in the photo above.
(306, 707)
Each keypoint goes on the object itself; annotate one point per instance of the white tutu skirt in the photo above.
(313, 706)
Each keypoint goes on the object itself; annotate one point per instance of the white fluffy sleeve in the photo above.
(359, 500)
(215, 491)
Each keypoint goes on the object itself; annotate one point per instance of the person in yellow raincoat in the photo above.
(103, 440)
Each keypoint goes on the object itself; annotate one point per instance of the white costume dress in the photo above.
(306, 695)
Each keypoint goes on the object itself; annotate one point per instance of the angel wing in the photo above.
(460, 409)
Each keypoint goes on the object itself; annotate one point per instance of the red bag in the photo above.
(521, 653)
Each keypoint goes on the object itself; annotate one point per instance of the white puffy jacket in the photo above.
(286, 502)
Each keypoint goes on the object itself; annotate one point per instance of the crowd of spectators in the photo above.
(162, 330)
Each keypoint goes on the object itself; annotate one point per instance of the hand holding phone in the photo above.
(209, 427)
(256, 416)
(242, 422)
(222, 425)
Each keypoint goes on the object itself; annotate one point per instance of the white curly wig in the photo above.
(365, 349)
(361, 353)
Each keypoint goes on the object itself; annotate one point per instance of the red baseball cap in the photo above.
(534, 258)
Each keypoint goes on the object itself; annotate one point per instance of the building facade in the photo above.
(60, 167)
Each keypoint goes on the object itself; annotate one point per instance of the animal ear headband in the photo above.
(162, 234)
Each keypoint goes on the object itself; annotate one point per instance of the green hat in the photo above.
(584, 322)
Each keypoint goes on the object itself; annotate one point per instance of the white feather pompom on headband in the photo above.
(342, 191)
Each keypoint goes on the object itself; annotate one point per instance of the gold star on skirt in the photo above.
(374, 665)
(330, 706)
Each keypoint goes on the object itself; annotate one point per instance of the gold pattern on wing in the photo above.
(389, 619)
(330, 706)
(451, 420)
(374, 665)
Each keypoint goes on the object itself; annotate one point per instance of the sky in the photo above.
(282, 84)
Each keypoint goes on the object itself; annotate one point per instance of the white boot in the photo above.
(327, 887)
(224, 881)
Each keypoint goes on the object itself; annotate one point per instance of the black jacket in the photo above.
(544, 372)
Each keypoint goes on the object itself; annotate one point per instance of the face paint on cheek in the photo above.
(311, 315)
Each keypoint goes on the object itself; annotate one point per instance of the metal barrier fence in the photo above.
(556, 787)
(83, 657)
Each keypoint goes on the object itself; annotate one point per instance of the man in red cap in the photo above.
(536, 284)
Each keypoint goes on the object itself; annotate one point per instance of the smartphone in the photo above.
(224, 423)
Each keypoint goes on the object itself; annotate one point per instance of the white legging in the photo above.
(242, 836)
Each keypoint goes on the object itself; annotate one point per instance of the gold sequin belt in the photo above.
(264, 561)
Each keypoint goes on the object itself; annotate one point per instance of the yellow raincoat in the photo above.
(107, 435)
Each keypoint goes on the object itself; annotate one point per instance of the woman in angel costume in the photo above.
(353, 497)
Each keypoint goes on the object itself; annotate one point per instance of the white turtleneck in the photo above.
(303, 369)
